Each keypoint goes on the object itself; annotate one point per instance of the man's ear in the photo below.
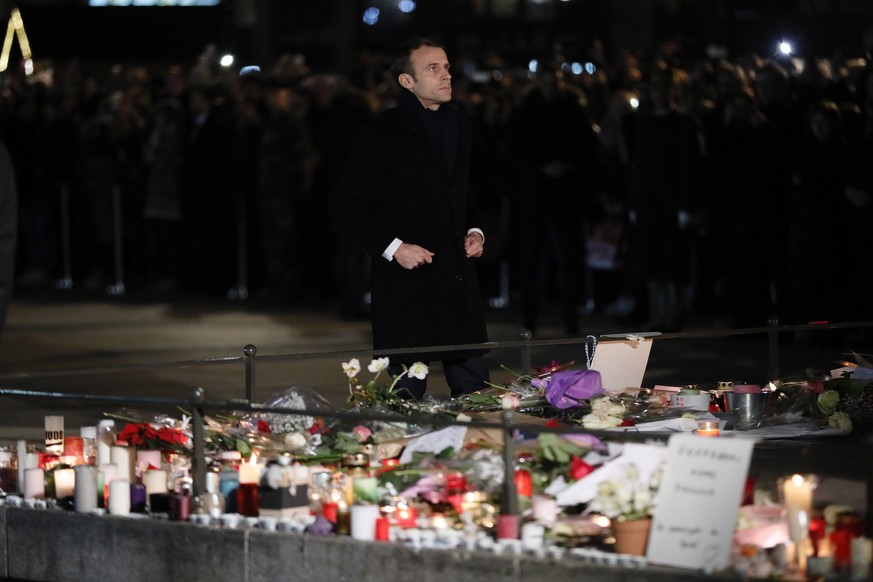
(405, 80)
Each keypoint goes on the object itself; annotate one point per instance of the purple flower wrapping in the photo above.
(567, 388)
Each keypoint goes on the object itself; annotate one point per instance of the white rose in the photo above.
(295, 440)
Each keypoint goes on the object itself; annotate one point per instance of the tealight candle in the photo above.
(65, 483)
(708, 428)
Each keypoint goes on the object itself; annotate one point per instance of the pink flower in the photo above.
(362, 433)
(510, 401)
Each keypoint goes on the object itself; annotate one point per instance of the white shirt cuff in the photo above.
(479, 230)
(388, 253)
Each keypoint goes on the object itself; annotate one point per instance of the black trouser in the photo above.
(463, 376)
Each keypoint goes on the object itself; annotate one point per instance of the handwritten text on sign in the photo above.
(699, 501)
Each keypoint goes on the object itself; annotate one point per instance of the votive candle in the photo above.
(65, 483)
(708, 428)
(74, 446)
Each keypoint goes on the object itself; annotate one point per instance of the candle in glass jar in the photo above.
(708, 428)
(249, 473)
(74, 447)
(65, 483)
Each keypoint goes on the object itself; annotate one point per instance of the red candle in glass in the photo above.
(329, 510)
(523, 483)
(383, 529)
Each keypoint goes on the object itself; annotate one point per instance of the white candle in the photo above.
(250, 473)
(545, 509)
(155, 481)
(85, 497)
(31, 460)
(105, 441)
(54, 434)
(119, 497)
(21, 452)
(109, 472)
(147, 459)
(363, 518)
(123, 458)
(34, 483)
(797, 492)
(65, 483)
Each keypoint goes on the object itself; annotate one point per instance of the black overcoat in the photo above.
(394, 186)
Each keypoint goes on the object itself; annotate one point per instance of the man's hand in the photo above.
(411, 256)
(474, 244)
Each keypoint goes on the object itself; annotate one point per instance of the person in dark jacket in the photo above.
(405, 196)
(8, 231)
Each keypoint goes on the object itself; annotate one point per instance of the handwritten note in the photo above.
(435, 442)
(699, 501)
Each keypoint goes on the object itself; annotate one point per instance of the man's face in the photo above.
(432, 83)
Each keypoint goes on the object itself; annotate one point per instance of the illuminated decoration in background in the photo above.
(406, 6)
(371, 16)
(785, 48)
(226, 61)
(154, 2)
(16, 28)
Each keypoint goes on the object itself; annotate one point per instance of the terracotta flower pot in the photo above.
(631, 536)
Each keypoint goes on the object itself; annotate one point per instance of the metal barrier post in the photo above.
(526, 365)
(250, 352)
(199, 461)
(773, 336)
(508, 519)
(66, 282)
(118, 287)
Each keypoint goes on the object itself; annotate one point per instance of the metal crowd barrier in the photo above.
(198, 403)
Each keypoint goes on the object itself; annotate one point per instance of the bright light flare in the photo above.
(226, 61)
(785, 48)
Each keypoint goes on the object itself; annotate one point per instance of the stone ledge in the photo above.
(59, 546)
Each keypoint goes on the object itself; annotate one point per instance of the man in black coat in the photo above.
(405, 196)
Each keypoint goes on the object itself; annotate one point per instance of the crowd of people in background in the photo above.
(643, 187)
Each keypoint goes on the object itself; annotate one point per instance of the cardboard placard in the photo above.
(622, 362)
(698, 502)
(435, 442)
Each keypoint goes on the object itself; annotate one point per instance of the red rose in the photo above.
(264, 426)
(579, 468)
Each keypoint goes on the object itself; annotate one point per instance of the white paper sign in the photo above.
(622, 362)
(435, 442)
(699, 501)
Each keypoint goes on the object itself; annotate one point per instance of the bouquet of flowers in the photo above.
(628, 496)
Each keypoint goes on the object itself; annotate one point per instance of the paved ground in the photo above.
(150, 346)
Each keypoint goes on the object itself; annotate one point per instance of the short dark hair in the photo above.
(402, 63)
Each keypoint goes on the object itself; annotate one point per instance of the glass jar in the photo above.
(8, 472)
